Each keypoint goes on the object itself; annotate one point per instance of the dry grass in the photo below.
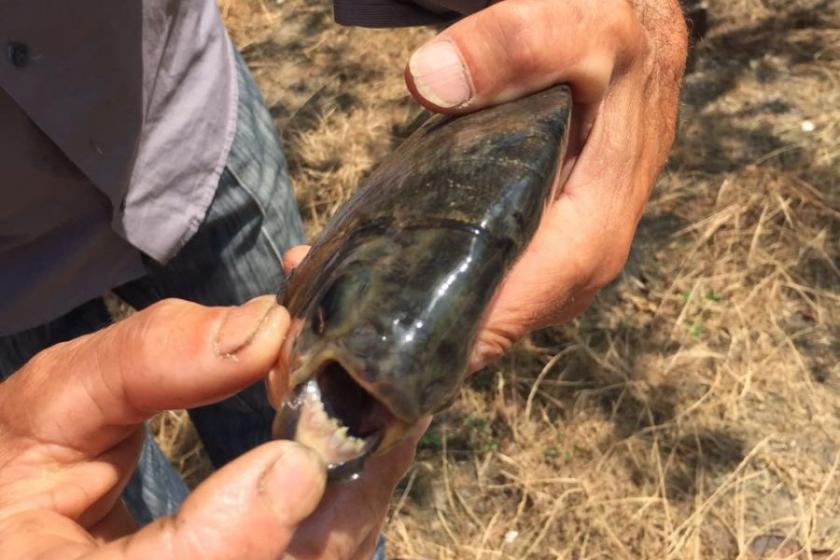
(696, 406)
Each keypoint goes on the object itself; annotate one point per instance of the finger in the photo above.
(85, 491)
(528, 301)
(293, 257)
(584, 238)
(45, 535)
(517, 47)
(349, 518)
(92, 391)
(249, 509)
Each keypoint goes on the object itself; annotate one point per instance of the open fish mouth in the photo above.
(332, 414)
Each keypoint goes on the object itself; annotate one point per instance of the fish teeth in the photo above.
(338, 439)
(326, 434)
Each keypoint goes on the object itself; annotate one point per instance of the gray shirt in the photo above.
(116, 119)
(394, 13)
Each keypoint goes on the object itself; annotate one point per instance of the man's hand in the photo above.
(71, 431)
(624, 60)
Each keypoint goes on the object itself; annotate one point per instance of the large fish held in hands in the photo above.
(388, 302)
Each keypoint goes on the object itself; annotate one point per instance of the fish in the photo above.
(388, 302)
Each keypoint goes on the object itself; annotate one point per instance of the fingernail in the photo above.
(241, 324)
(440, 75)
(294, 483)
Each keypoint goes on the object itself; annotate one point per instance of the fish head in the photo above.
(381, 338)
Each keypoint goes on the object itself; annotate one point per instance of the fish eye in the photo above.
(318, 321)
(344, 293)
(328, 306)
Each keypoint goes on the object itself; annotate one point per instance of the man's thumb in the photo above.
(517, 47)
(249, 509)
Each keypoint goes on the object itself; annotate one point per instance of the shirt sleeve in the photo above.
(403, 13)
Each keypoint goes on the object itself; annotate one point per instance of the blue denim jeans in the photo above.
(234, 256)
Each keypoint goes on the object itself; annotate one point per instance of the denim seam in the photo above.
(250, 192)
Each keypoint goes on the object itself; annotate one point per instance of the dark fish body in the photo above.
(388, 302)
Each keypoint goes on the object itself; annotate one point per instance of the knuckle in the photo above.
(181, 537)
(44, 359)
(622, 16)
(42, 365)
(518, 20)
(165, 310)
(611, 270)
(521, 34)
(155, 322)
(151, 329)
(601, 263)
(498, 337)
(197, 542)
(610, 266)
(625, 30)
(169, 529)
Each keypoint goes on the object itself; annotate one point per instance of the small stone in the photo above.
(511, 536)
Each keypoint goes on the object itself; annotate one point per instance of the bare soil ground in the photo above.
(695, 407)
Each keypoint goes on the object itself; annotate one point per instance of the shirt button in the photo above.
(18, 54)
